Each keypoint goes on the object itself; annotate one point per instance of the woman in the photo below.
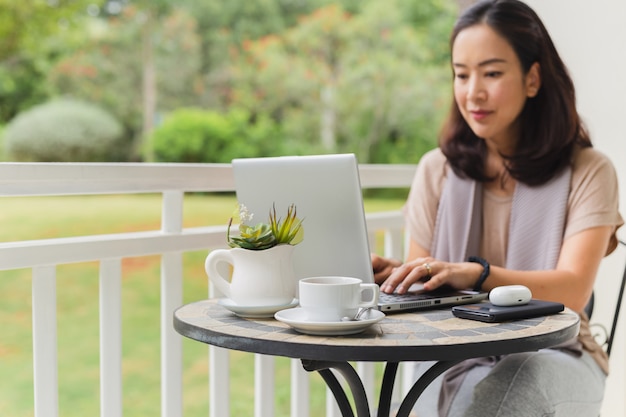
(515, 194)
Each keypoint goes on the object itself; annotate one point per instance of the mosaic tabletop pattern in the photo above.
(425, 335)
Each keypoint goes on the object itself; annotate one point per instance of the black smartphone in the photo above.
(489, 313)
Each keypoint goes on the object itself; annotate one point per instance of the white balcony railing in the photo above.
(170, 242)
(172, 181)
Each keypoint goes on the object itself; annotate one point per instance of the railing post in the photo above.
(219, 375)
(300, 387)
(367, 373)
(45, 358)
(111, 338)
(394, 243)
(332, 409)
(171, 298)
(264, 382)
(219, 382)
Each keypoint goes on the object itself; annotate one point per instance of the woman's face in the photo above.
(490, 88)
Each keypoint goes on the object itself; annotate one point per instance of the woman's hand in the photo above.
(433, 273)
(393, 275)
(383, 267)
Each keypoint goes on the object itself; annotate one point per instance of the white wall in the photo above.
(591, 38)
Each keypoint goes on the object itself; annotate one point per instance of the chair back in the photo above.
(609, 336)
(618, 306)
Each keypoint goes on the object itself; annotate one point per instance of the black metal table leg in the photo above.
(358, 391)
(351, 377)
(386, 389)
(340, 396)
(421, 384)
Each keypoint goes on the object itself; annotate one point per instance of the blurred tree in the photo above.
(21, 84)
(29, 40)
(26, 25)
(225, 26)
(357, 74)
(394, 89)
(111, 69)
(183, 58)
(348, 82)
(432, 20)
(152, 11)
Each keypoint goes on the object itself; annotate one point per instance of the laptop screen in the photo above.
(327, 193)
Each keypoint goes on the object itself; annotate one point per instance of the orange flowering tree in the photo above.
(346, 82)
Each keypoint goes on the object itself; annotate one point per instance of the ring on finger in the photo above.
(428, 268)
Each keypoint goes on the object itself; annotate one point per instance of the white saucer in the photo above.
(254, 312)
(295, 317)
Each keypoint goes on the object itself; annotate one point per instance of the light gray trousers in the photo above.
(532, 384)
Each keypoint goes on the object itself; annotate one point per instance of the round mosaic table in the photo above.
(434, 335)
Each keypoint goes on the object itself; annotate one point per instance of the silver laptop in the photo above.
(327, 193)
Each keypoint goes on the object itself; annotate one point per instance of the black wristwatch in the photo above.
(481, 280)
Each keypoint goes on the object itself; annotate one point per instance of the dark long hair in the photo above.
(550, 125)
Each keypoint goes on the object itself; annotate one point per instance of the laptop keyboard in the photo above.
(392, 298)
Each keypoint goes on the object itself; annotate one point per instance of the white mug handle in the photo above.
(373, 301)
(214, 258)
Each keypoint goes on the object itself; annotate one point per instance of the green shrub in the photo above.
(196, 135)
(65, 131)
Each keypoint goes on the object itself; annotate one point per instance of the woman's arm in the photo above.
(571, 283)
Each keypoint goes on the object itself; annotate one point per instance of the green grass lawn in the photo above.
(77, 310)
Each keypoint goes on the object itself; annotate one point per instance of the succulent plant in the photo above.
(264, 235)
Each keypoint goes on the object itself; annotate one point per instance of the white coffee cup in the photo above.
(331, 298)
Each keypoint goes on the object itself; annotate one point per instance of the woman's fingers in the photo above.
(383, 267)
(432, 273)
(406, 275)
